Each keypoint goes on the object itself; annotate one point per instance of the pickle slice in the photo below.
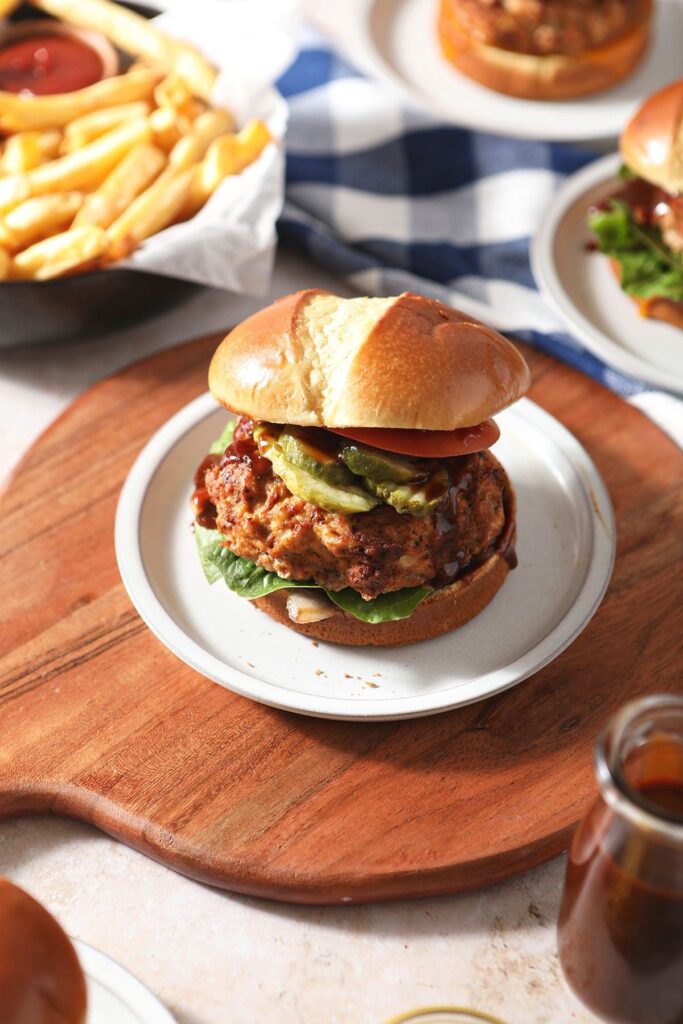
(301, 450)
(331, 497)
(265, 435)
(418, 500)
(382, 466)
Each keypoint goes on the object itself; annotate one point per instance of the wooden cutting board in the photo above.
(100, 722)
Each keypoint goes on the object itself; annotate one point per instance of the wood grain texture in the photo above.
(100, 722)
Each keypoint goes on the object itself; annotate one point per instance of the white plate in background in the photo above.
(566, 540)
(582, 288)
(114, 995)
(397, 43)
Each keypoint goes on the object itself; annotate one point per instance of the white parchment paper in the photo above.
(231, 241)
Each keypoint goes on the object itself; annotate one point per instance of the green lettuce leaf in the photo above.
(648, 266)
(241, 575)
(626, 174)
(249, 580)
(219, 446)
(399, 604)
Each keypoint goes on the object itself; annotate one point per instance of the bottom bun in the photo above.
(657, 307)
(552, 77)
(445, 609)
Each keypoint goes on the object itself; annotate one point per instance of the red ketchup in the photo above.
(46, 64)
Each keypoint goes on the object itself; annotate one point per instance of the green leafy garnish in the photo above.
(626, 174)
(240, 574)
(648, 267)
(219, 446)
(399, 604)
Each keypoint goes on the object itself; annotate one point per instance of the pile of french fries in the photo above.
(87, 176)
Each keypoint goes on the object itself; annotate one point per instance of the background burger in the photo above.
(41, 980)
(355, 500)
(545, 49)
(640, 227)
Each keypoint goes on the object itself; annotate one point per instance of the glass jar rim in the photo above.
(614, 787)
(457, 1011)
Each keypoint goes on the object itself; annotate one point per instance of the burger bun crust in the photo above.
(408, 362)
(652, 142)
(39, 968)
(534, 77)
(445, 609)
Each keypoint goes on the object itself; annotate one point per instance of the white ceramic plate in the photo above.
(584, 291)
(397, 43)
(114, 995)
(566, 538)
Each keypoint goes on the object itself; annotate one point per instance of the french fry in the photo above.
(137, 64)
(14, 188)
(141, 38)
(49, 142)
(191, 148)
(38, 217)
(25, 113)
(5, 265)
(22, 152)
(168, 126)
(118, 190)
(26, 150)
(194, 107)
(85, 168)
(152, 211)
(61, 253)
(172, 91)
(7, 6)
(85, 129)
(226, 155)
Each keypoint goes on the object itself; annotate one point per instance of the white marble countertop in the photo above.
(215, 958)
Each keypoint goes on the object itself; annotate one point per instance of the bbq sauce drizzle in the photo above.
(243, 449)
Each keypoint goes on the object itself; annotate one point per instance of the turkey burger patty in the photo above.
(373, 552)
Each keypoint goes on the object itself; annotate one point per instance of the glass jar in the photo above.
(620, 932)
(445, 1015)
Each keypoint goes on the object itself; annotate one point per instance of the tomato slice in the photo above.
(426, 444)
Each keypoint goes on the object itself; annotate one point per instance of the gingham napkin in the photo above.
(395, 201)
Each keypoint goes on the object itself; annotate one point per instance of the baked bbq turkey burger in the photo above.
(640, 227)
(544, 49)
(356, 500)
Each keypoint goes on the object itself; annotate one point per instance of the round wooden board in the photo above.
(100, 722)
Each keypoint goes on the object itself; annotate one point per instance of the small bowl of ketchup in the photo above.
(41, 57)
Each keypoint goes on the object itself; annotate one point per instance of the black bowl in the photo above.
(85, 305)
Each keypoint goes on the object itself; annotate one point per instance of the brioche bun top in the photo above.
(409, 362)
(652, 142)
(40, 976)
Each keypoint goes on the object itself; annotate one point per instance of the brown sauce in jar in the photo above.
(620, 933)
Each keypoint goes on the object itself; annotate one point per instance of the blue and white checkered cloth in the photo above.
(395, 201)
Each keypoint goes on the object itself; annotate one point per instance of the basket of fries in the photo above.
(120, 198)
